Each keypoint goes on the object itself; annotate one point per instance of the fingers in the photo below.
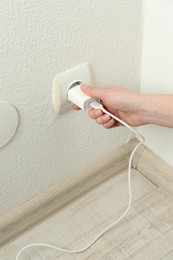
(110, 124)
(94, 113)
(101, 118)
(106, 121)
(75, 107)
(93, 91)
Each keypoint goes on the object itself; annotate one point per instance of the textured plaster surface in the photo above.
(38, 40)
(157, 68)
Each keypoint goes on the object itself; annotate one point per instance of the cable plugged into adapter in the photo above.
(78, 97)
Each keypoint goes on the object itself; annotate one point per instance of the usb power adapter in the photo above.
(79, 98)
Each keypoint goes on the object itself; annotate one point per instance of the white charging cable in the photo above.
(97, 105)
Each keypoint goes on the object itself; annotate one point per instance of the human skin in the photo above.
(134, 108)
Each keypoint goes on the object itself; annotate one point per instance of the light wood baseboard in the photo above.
(153, 167)
(43, 206)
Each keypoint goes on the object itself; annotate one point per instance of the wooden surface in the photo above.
(153, 167)
(62, 194)
(146, 232)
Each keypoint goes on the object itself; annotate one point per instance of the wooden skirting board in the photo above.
(153, 167)
(48, 203)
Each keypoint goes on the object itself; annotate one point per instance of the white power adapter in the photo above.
(78, 97)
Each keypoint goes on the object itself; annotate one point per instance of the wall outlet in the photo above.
(63, 81)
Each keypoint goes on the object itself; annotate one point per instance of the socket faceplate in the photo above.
(63, 81)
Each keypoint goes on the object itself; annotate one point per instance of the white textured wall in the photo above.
(38, 40)
(157, 68)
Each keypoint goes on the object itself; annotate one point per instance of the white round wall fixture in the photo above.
(9, 121)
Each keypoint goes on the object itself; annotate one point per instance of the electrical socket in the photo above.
(63, 81)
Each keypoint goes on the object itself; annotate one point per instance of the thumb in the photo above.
(93, 91)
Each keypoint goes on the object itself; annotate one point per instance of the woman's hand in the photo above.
(120, 101)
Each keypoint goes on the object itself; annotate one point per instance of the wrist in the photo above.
(145, 109)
